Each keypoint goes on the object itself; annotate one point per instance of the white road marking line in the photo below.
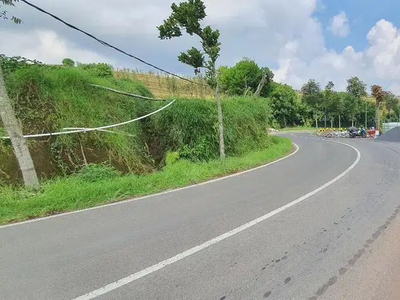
(124, 281)
(297, 148)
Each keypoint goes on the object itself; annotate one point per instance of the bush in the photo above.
(67, 62)
(243, 78)
(97, 172)
(101, 70)
(190, 127)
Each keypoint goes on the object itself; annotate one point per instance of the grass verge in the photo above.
(73, 193)
(297, 129)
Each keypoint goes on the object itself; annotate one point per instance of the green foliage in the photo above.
(187, 16)
(244, 77)
(356, 87)
(101, 70)
(3, 13)
(67, 62)
(193, 58)
(48, 99)
(97, 172)
(171, 158)
(333, 103)
(191, 127)
(392, 102)
(312, 94)
(11, 64)
(284, 105)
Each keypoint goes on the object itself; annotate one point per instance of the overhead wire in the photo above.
(70, 130)
(107, 44)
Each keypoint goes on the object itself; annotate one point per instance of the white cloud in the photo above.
(340, 25)
(46, 46)
(283, 34)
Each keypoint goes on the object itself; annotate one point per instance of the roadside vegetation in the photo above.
(100, 184)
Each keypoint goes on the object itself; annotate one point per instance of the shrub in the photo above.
(101, 70)
(191, 127)
(67, 62)
(97, 172)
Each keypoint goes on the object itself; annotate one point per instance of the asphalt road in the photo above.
(301, 251)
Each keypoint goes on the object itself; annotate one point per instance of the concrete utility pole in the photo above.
(221, 123)
(18, 141)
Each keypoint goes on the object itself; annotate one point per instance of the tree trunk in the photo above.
(331, 123)
(221, 124)
(260, 86)
(316, 121)
(378, 122)
(18, 141)
(352, 122)
(340, 123)
(325, 121)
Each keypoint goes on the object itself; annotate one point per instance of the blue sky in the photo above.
(362, 15)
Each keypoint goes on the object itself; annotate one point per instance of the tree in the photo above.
(357, 89)
(13, 127)
(187, 16)
(352, 105)
(331, 102)
(67, 62)
(379, 94)
(242, 76)
(312, 96)
(266, 80)
(340, 107)
(284, 105)
(3, 12)
(245, 76)
(391, 102)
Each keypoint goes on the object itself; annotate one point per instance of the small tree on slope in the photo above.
(188, 15)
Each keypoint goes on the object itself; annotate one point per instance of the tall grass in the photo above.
(191, 127)
(167, 86)
(48, 99)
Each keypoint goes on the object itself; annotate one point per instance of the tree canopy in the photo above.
(188, 16)
(244, 78)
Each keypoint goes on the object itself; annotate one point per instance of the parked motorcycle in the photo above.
(354, 132)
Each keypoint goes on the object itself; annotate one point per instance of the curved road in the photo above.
(312, 226)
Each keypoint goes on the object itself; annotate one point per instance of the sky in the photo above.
(325, 40)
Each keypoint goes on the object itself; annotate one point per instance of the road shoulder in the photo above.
(376, 275)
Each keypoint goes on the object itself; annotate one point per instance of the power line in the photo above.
(127, 94)
(70, 130)
(107, 44)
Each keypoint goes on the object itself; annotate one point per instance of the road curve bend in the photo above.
(291, 230)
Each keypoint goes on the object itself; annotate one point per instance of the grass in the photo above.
(74, 193)
(167, 86)
(297, 129)
(48, 99)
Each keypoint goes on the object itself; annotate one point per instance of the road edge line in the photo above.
(140, 274)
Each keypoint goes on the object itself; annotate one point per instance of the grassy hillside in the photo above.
(50, 98)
